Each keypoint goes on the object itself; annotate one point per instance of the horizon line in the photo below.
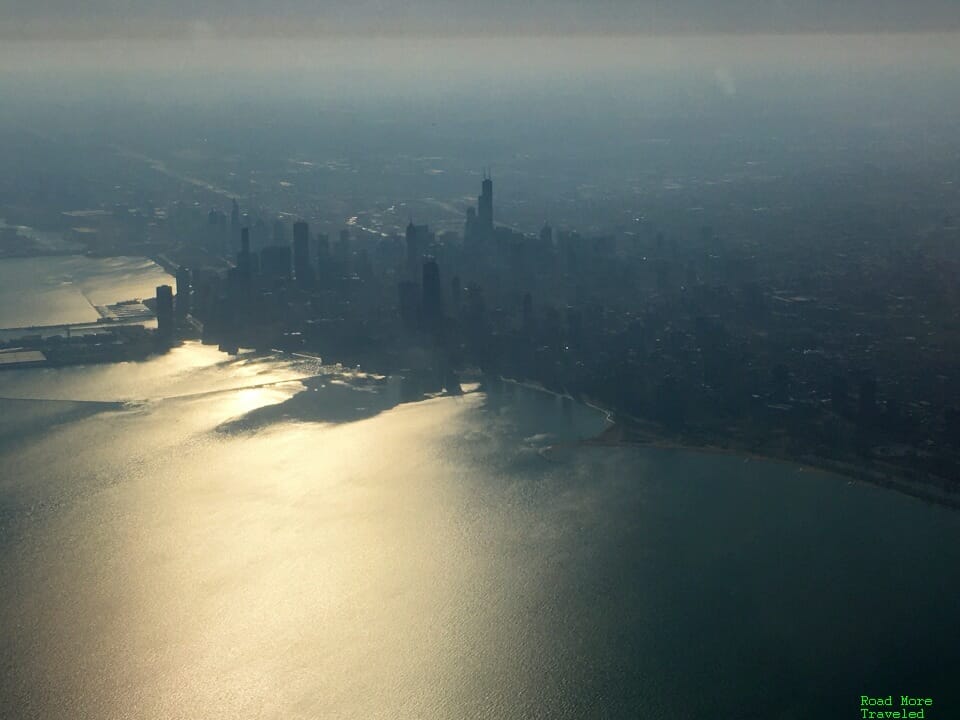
(252, 28)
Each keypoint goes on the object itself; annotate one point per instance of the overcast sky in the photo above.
(28, 18)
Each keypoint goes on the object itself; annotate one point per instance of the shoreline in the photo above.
(628, 432)
(632, 434)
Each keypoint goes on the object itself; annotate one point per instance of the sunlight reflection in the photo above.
(243, 401)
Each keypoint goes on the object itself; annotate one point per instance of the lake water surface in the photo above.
(61, 289)
(199, 536)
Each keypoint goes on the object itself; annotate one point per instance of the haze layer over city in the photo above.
(491, 361)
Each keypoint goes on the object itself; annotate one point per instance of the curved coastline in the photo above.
(631, 432)
(625, 431)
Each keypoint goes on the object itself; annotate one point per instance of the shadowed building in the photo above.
(478, 227)
(432, 300)
(546, 238)
(409, 298)
(527, 316)
(183, 292)
(343, 252)
(234, 223)
(418, 238)
(301, 255)
(165, 313)
(324, 261)
(485, 207)
(244, 261)
(456, 292)
(275, 262)
(279, 232)
(470, 232)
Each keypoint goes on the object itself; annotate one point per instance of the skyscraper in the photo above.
(418, 239)
(342, 254)
(431, 305)
(343, 247)
(244, 263)
(165, 313)
(234, 223)
(470, 226)
(527, 318)
(183, 292)
(259, 235)
(546, 237)
(323, 257)
(456, 292)
(485, 206)
(279, 232)
(301, 255)
(218, 234)
(409, 304)
(275, 262)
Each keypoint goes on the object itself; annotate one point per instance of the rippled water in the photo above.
(200, 536)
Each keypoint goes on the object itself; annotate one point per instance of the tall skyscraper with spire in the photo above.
(485, 206)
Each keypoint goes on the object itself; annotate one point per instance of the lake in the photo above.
(62, 289)
(204, 536)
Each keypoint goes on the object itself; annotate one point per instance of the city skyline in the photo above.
(445, 360)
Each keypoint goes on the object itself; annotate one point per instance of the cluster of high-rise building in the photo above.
(308, 270)
(693, 336)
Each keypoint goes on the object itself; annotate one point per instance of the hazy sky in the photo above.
(33, 18)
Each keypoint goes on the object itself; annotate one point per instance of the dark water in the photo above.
(201, 537)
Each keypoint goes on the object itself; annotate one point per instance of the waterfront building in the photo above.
(165, 313)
